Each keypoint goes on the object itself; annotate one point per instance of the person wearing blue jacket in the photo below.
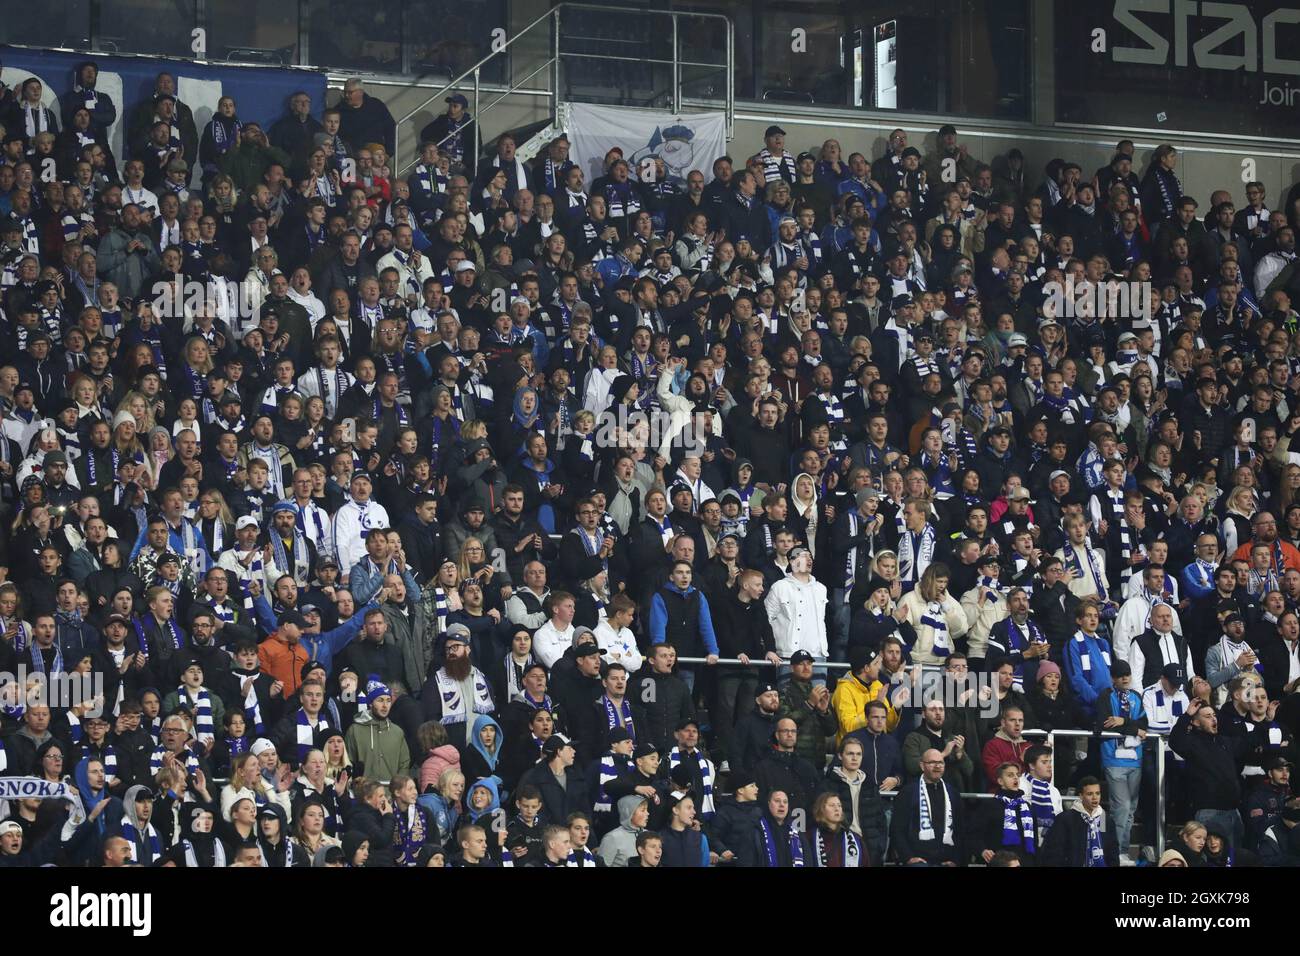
(1198, 577)
(680, 616)
(320, 645)
(1120, 711)
(1087, 658)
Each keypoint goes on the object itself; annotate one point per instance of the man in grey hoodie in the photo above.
(619, 844)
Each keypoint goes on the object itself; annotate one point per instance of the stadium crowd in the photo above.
(487, 516)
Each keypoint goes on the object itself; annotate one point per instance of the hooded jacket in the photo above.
(378, 748)
(619, 844)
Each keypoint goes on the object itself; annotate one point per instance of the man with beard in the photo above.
(457, 689)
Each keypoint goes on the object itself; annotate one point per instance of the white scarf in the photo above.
(927, 824)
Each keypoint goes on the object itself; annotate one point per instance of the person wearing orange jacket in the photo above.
(282, 655)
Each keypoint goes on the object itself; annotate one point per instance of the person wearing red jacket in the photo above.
(1006, 746)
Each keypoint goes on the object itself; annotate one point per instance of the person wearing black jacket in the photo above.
(781, 768)
(859, 793)
(929, 838)
(1053, 605)
(558, 780)
(744, 632)
(1067, 842)
(372, 815)
(754, 731)
(1214, 763)
(665, 696)
(737, 815)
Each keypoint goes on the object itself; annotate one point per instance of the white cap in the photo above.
(465, 265)
(247, 521)
(260, 746)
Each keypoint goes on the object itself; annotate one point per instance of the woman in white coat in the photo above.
(935, 614)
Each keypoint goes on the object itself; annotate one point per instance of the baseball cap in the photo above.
(1016, 339)
(643, 749)
(246, 521)
(801, 657)
(555, 743)
(456, 632)
(773, 131)
(458, 98)
(466, 265)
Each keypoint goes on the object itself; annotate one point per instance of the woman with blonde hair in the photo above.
(137, 406)
(936, 616)
(86, 394)
(195, 365)
(1236, 525)
(160, 452)
(215, 521)
(337, 760)
(445, 803)
(247, 782)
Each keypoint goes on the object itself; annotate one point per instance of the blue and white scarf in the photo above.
(203, 727)
(706, 779)
(770, 837)
(132, 836)
(1072, 560)
(1017, 822)
(933, 617)
(305, 734)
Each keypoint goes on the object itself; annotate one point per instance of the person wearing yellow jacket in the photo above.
(854, 691)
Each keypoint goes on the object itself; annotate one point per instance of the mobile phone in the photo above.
(1248, 431)
(349, 430)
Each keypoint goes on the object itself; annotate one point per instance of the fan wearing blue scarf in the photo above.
(777, 843)
(1010, 823)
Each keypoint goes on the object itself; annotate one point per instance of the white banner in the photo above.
(685, 142)
(32, 788)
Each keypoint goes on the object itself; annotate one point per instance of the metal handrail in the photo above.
(553, 62)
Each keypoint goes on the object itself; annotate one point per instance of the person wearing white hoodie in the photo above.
(796, 606)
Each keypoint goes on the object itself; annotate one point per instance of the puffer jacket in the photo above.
(869, 812)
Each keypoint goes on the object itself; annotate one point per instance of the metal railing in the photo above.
(553, 67)
(1153, 737)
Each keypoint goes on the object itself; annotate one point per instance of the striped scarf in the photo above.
(203, 728)
(618, 717)
(156, 760)
(38, 660)
(1019, 637)
(915, 554)
(305, 734)
(770, 836)
(1040, 804)
(132, 836)
(300, 568)
(1072, 560)
(611, 767)
(253, 711)
(1017, 822)
(933, 617)
(706, 779)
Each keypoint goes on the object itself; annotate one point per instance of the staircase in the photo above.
(587, 53)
